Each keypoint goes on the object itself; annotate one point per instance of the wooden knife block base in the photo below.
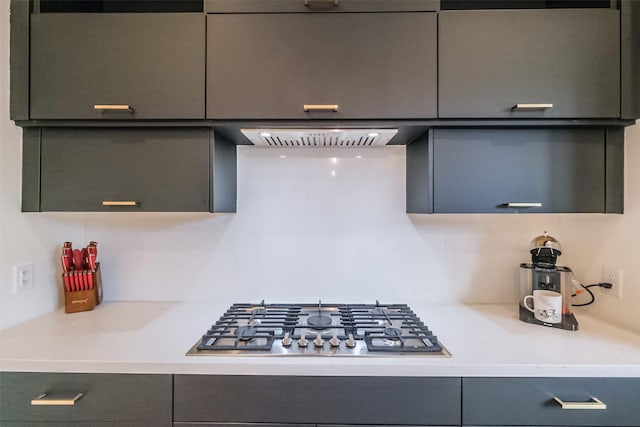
(75, 301)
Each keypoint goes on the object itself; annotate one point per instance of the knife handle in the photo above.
(65, 278)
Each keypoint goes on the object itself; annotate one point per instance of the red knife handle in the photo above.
(92, 250)
(65, 278)
(67, 256)
(77, 259)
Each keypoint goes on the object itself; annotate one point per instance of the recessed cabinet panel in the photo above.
(317, 400)
(529, 63)
(320, 6)
(524, 170)
(127, 170)
(117, 66)
(530, 401)
(340, 65)
(113, 399)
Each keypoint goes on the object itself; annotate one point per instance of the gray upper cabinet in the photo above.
(340, 65)
(117, 66)
(516, 170)
(552, 63)
(132, 170)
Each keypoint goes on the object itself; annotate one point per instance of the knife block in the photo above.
(86, 300)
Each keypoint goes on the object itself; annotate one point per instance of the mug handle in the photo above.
(527, 298)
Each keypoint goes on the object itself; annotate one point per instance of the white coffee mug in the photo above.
(547, 305)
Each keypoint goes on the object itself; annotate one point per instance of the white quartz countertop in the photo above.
(153, 337)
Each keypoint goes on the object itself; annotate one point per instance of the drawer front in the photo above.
(530, 401)
(317, 400)
(277, 6)
(151, 169)
(105, 397)
(86, 424)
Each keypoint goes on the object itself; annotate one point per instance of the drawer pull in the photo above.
(532, 106)
(335, 2)
(119, 203)
(43, 400)
(320, 107)
(523, 205)
(112, 107)
(592, 404)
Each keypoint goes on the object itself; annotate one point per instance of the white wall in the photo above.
(302, 233)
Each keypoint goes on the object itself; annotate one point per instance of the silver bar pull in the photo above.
(532, 106)
(43, 400)
(113, 107)
(308, 2)
(320, 107)
(592, 404)
(119, 203)
(524, 205)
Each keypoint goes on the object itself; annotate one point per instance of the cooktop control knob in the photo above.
(351, 343)
(286, 340)
(335, 342)
(318, 342)
(302, 342)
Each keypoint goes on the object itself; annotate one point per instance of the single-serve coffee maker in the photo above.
(546, 289)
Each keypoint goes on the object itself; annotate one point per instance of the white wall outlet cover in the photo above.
(612, 275)
(23, 278)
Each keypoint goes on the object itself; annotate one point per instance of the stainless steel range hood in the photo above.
(319, 137)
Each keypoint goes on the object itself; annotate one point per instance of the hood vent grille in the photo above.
(319, 137)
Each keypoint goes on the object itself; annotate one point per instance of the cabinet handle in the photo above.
(532, 106)
(335, 2)
(523, 205)
(320, 107)
(592, 404)
(119, 203)
(113, 107)
(43, 400)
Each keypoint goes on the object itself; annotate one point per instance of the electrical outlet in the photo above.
(23, 277)
(612, 275)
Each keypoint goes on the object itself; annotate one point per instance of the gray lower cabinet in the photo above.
(317, 400)
(289, 6)
(107, 399)
(530, 401)
(128, 169)
(550, 63)
(516, 170)
(187, 424)
(117, 66)
(338, 65)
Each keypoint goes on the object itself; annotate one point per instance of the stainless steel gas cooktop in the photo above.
(319, 330)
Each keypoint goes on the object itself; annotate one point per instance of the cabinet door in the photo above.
(564, 62)
(150, 169)
(530, 401)
(317, 400)
(120, 399)
(152, 63)
(288, 6)
(486, 170)
(369, 65)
